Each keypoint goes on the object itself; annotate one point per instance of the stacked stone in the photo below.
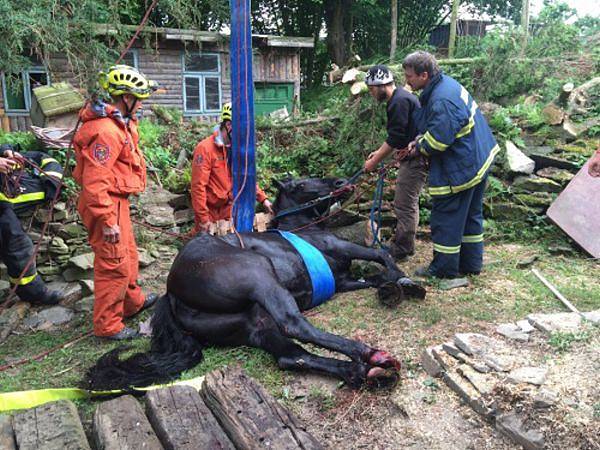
(535, 176)
(481, 369)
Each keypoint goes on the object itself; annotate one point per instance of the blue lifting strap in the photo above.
(321, 276)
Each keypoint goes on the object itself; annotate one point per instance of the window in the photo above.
(18, 88)
(131, 58)
(201, 83)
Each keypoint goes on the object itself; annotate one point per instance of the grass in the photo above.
(563, 341)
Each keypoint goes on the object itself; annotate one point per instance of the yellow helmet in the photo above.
(226, 113)
(122, 79)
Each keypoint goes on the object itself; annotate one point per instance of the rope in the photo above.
(181, 236)
(138, 30)
(39, 356)
(376, 208)
(11, 294)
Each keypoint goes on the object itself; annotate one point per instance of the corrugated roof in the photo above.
(180, 34)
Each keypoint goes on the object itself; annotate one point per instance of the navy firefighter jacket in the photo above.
(455, 137)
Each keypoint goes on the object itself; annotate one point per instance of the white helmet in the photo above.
(379, 75)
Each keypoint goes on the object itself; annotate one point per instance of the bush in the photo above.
(554, 56)
(26, 140)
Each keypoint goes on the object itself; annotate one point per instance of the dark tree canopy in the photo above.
(33, 29)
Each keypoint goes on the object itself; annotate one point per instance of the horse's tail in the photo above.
(172, 351)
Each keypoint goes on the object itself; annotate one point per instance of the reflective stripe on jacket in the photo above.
(455, 137)
(34, 186)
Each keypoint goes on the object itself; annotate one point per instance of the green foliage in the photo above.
(563, 341)
(158, 156)
(335, 147)
(529, 115)
(505, 70)
(32, 30)
(504, 127)
(26, 140)
(178, 181)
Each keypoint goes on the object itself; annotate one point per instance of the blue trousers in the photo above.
(457, 233)
(16, 249)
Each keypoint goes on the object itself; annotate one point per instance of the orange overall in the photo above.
(212, 185)
(109, 168)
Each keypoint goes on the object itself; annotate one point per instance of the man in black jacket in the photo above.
(412, 173)
(16, 247)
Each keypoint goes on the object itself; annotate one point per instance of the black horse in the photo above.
(250, 290)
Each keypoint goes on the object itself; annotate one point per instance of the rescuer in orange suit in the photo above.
(212, 185)
(109, 168)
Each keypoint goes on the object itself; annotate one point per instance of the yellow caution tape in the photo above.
(30, 399)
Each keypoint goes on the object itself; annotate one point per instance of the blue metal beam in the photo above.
(242, 102)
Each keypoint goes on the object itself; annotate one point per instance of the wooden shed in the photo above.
(193, 67)
(440, 36)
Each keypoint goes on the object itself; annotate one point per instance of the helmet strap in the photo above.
(129, 109)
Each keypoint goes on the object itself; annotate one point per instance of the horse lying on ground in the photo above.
(230, 291)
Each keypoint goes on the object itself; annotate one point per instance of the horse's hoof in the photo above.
(380, 378)
(390, 294)
(411, 289)
(383, 359)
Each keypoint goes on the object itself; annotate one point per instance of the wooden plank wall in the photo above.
(164, 64)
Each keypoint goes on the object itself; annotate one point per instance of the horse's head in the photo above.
(295, 193)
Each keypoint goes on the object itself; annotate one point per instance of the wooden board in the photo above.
(577, 211)
(250, 416)
(120, 424)
(53, 426)
(7, 435)
(182, 421)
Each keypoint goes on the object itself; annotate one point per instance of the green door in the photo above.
(269, 97)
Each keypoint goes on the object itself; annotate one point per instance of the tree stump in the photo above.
(250, 416)
(182, 421)
(52, 426)
(7, 435)
(120, 424)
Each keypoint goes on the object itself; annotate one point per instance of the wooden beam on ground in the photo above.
(7, 435)
(555, 291)
(54, 425)
(120, 424)
(182, 421)
(250, 416)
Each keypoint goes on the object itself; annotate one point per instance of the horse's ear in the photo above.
(279, 184)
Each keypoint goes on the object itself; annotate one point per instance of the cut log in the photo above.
(120, 424)
(360, 87)
(553, 114)
(250, 416)
(579, 97)
(7, 435)
(353, 75)
(53, 426)
(565, 93)
(182, 421)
